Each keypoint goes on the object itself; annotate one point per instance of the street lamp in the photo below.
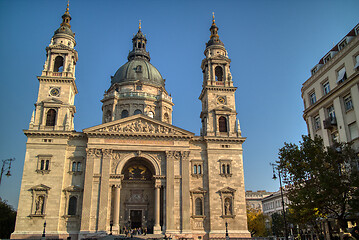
(43, 233)
(275, 166)
(6, 165)
(227, 236)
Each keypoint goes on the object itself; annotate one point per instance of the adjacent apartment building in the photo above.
(254, 199)
(331, 94)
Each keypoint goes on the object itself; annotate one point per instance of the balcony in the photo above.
(330, 123)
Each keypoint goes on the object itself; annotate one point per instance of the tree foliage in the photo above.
(7, 219)
(323, 181)
(256, 222)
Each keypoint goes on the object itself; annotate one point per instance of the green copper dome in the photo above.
(138, 69)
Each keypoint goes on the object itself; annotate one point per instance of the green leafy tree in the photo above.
(256, 222)
(7, 219)
(277, 224)
(323, 181)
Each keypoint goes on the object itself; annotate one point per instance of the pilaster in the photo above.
(104, 189)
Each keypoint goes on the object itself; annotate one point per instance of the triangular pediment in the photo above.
(52, 100)
(223, 108)
(138, 124)
(227, 190)
(40, 187)
(73, 189)
(198, 190)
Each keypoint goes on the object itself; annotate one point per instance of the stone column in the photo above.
(186, 213)
(88, 185)
(171, 156)
(116, 208)
(104, 190)
(157, 227)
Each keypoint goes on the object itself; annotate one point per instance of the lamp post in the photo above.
(6, 165)
(275, 166)
(44, 232)
(111, 225)
(227, 236)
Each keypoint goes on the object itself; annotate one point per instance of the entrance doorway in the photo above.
(136, 218)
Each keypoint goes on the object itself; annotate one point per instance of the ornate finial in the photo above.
(213, 17)
(139, 25)
(67, 8)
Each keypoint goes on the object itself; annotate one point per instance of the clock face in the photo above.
(221, 100)
(55, 92)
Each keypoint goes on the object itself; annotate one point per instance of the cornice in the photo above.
(219, 139)
(215, 88)
(138, 135)
(327, 66)
(54, 133)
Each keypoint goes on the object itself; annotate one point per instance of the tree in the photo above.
(256, 222)
(322, 181)
(7, 219)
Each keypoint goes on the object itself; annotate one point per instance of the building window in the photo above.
(59, 64)
(312, 98)
(348, 104)
(43, 164)
(108, 116)
(326, 88)
(137, 111)
(150, 114)
(353, 130)
(225, 168)
(356, 66)
(342, 44)
(316, 122)
(197, 168)
(124, 114)
(197, 198)
(199, 207)
(76, 167)
(314, 70)
(51, 117)
(222, 122)
(342, 75)
(327, 58)
(219, 73)
(72, 206)
(331, 113)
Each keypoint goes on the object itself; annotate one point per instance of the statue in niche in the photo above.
(39, 205)
(227, 207)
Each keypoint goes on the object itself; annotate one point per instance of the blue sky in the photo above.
(272, 44)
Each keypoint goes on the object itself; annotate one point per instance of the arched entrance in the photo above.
(137, 195)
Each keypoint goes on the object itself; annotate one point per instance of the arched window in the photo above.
(198, 207)
(150, 114)
(42, 165)
(79, 166)
(194, 169)
(47, 163)
(228, 169)
(108, 116)
(72, 206)
(139, 45)
(124, 114)
(199, 169)
(51, 117)
(137, 111)
(222, 122)
(166, 118)
(59, 64)
(219, 73)
(74, 166)
(223, 169)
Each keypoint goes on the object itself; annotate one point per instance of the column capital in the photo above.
(107, 152)
(94, 152)
(158, 183)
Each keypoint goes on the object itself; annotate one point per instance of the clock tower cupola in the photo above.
(218, 93)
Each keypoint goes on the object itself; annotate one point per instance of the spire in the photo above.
(139, 42)
(214, 38)
(65, 26)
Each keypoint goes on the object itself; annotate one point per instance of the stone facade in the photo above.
(135, 169)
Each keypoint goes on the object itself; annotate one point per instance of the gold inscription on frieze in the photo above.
(140, 142)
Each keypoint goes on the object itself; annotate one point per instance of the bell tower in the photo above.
(54, 109)
(218, 93)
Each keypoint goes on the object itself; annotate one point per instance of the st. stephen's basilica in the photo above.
(135, 170)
